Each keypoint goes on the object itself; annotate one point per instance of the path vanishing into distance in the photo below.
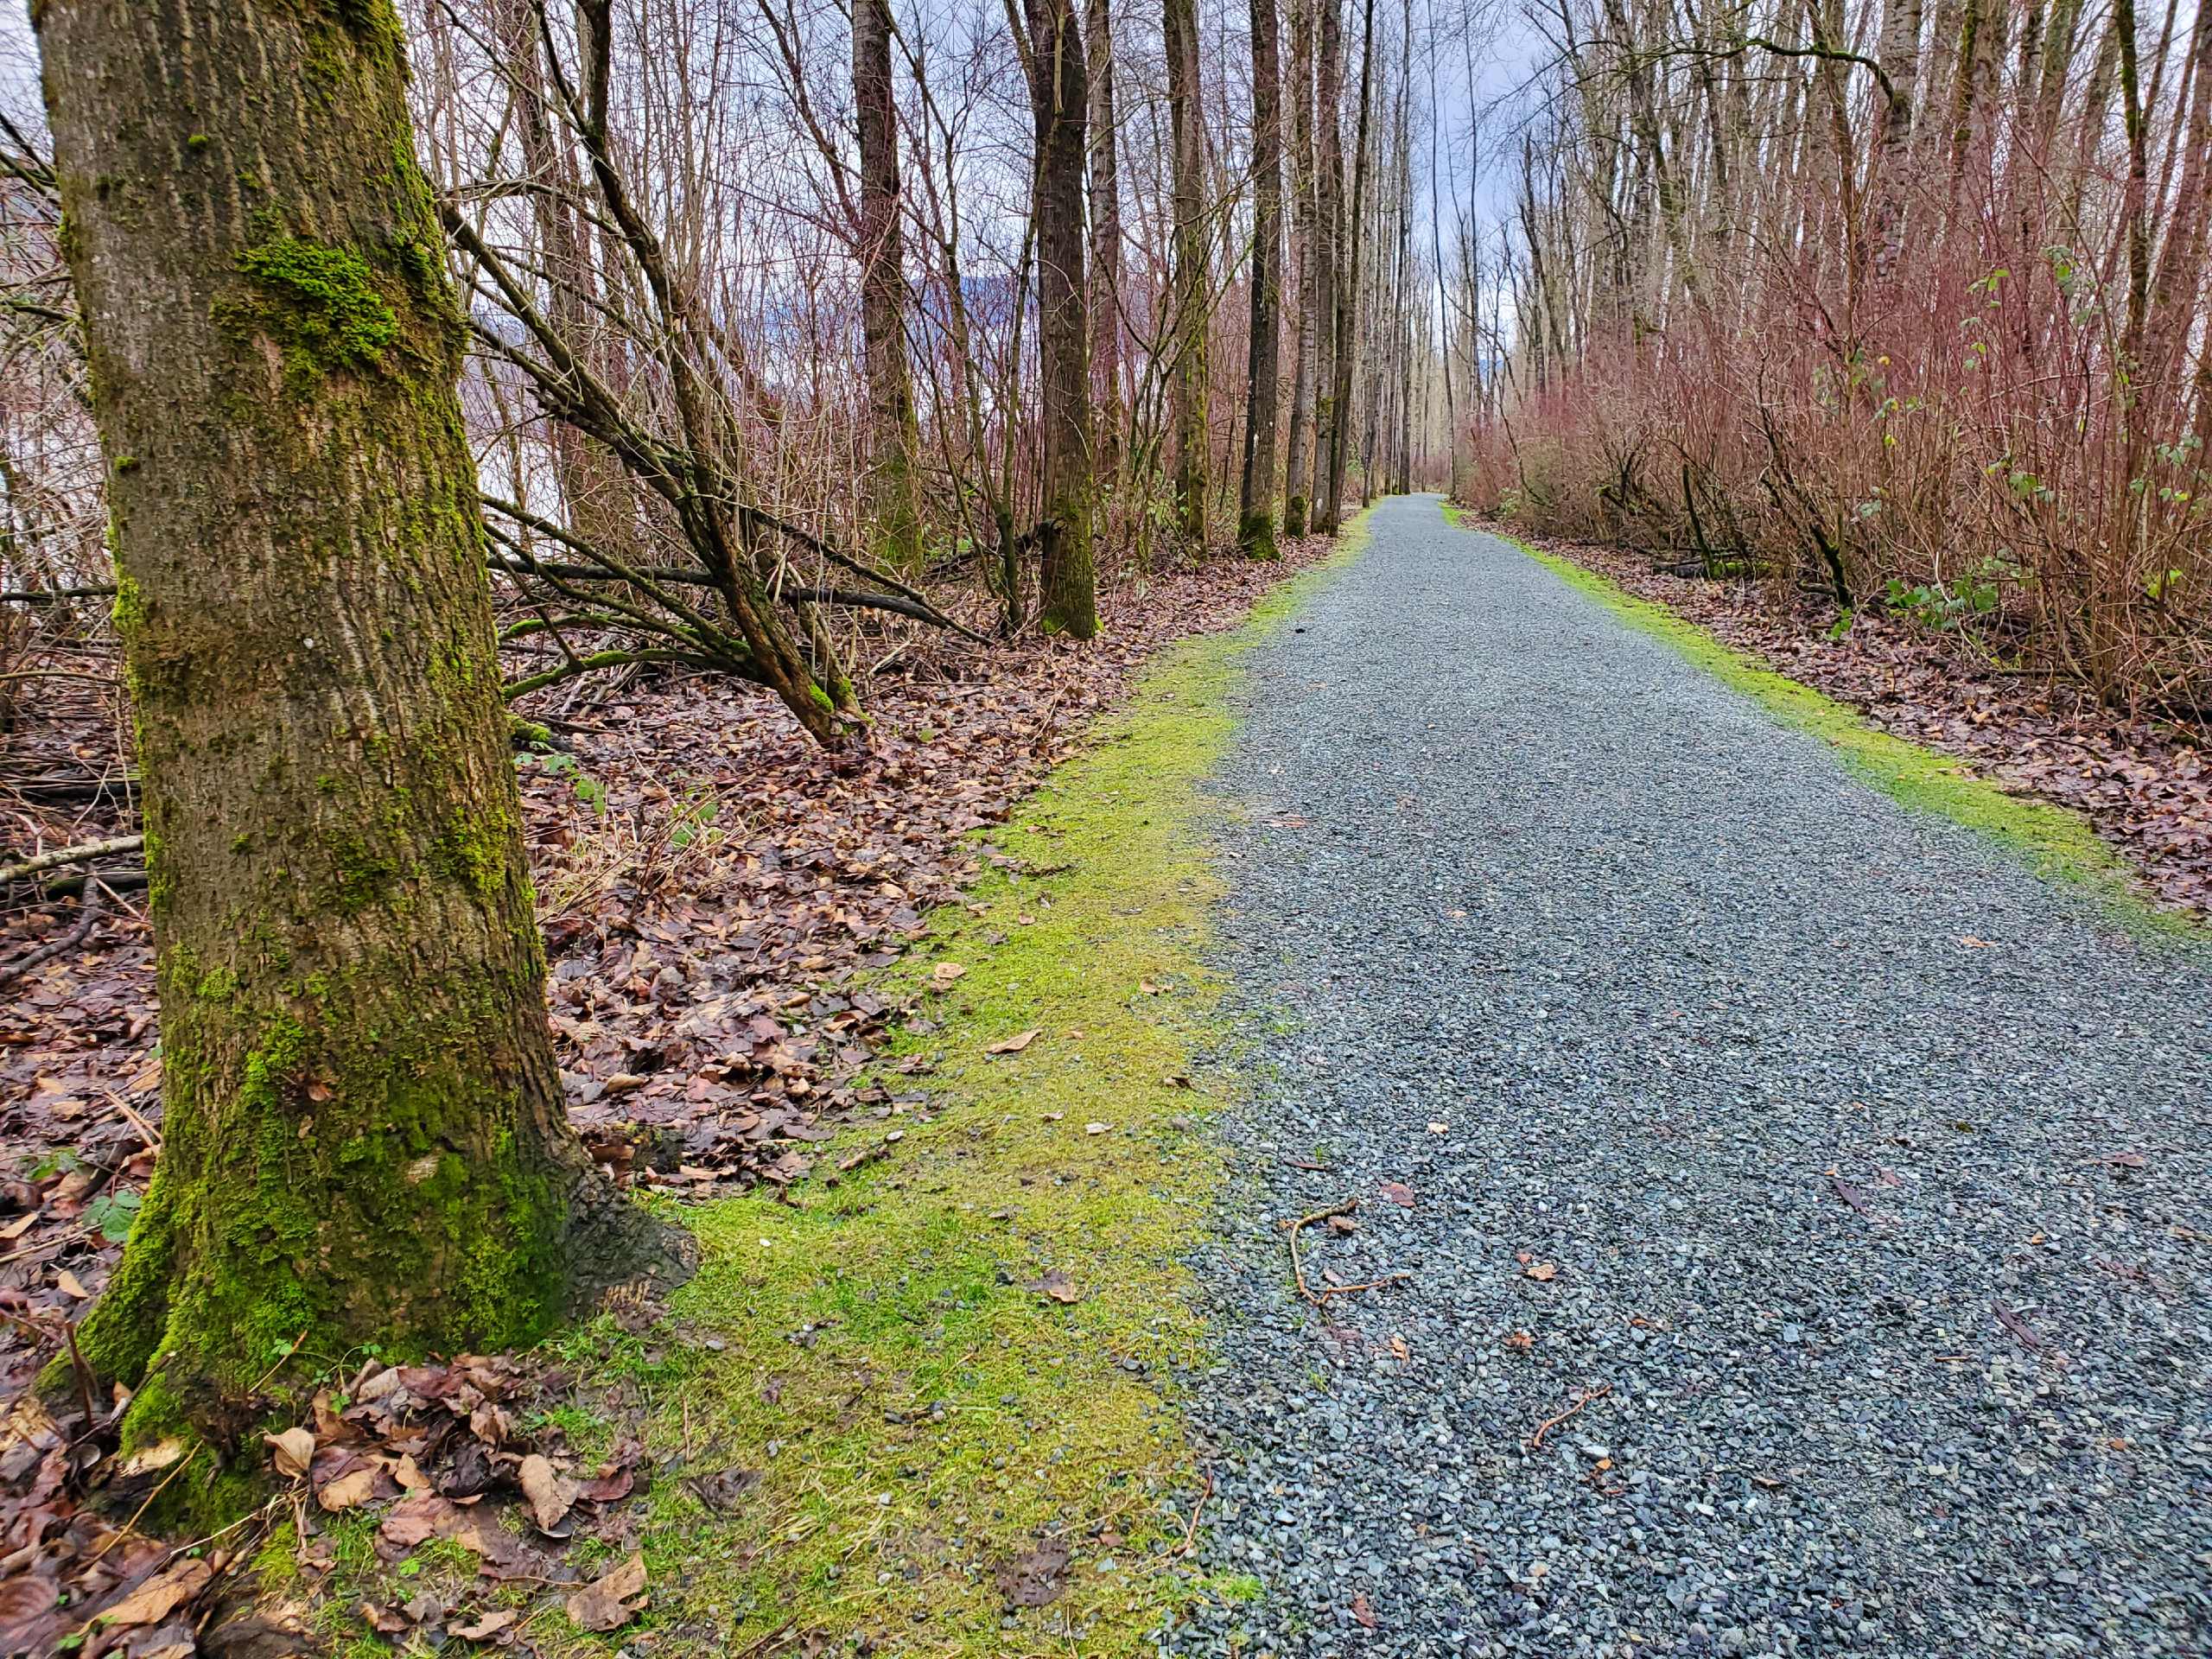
(1837, 1188)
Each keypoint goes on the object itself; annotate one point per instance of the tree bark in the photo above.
(893, 437)
(1255, 528)
(365, 1137)
(1058, 100)
(1348, 296)
(1187, 382)
(1297, 467)
(1328, 259)
(1105, 243)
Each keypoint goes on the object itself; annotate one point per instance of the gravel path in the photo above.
(1856, 1179)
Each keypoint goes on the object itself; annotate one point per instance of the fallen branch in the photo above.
(88, 917)
(1536, 1441)
(61, 857)
(1320, 1298)
(1190, 1532)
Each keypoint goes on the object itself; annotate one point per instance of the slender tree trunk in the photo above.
(1330, 409)
(893, 437)
(1296, 468)
(1187, 382)
(1348, 292)
(596, 495)
(1059, 101)
(364, 1136)
(1105, 244)
(1256, 529)
(1900, 61)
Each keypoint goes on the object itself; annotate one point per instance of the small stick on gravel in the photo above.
(1320, 1298)
(1190, 1532)
(1536, 1439)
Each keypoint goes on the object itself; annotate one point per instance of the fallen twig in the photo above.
(88, 917)
(1320, 1298)
(1536, 1439)
(1190, 1532)
(62, 856)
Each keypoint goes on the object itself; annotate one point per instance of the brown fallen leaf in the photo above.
(1543, 1272)
(1399, 1350)
(2019, 1327)
(411, 1520)
(946, 972)
(160, 1596)
(1521, 1342)
(604, 1603)
(1057, 1285)
(291, 1451)
(71, 1285)
(1363, 1609)
(1850, 1194)
(551, 1494)
(349, 1491)
(1398, 1193)
(1016, 1043)
(489, 1624)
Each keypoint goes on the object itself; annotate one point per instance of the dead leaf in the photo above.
(1439, 1128)
(1034, 1579)
(1097, 1128)
(489, 1624)
(160, 1596)
(1521, 1342)
(2019, 1327)
(551, 1494)
(292, 1452)
(349, 1491)
(1398, 1193)
(71, 1285)
(1363, 1609)
(1850, 1194)
(1016, 1043)
(1399, 1350)
(946, 972)
(1973, 944)
(414, 1519)
(1543, 1272)
(1057, 1285)
(604, 1603)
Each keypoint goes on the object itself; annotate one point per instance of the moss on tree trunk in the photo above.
(364, 1138)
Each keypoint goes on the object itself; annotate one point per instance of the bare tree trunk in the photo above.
(1059, 103)
(1348, 293)
(365, 1137)
(1105, 245)
(1330, 411)
(1255, 528)
(1187, 381)
(1297, 467)
(893, 438)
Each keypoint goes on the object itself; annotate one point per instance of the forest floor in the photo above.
(1756, 1173)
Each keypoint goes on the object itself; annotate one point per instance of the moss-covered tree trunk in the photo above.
(364, 1137)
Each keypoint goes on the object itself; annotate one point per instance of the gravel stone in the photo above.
(1673, 982)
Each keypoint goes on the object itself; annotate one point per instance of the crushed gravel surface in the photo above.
(1850, 1186)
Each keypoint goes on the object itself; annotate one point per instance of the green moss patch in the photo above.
(2055, 843)
(881, 1390)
